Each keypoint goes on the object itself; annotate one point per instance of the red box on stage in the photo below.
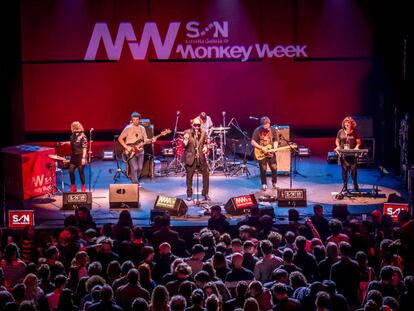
(20, 219)
(28, 170)
(393, 209)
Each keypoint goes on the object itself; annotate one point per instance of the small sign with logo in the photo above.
(20, 219)
(393, 209)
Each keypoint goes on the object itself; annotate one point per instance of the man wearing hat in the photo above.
(194, 159)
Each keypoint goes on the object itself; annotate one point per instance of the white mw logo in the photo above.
(126, 33)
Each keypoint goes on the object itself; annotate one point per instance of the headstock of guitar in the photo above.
(165, 132)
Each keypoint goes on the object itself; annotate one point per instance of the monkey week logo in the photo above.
(200, 43)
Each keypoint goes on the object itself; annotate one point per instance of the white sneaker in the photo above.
(264, 187)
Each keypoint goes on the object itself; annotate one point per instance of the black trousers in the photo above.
(349, 164)
(72, 168)
(271, 161)
(191, 170)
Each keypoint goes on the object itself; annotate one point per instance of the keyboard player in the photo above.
(348, 138)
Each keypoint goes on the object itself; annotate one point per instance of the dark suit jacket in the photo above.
(165, 234)
(189, 154)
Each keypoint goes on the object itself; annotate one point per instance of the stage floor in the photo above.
(320, 179)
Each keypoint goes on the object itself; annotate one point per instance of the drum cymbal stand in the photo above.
(220, 162)
(243, 167)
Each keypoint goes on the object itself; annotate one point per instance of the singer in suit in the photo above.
(194, 141)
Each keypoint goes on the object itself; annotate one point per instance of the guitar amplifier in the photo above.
(292, 198)
(73, 200)
(283, 156)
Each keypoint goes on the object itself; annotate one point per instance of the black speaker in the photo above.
(123, 195)
(240, 205)
(292, 197)
(340, 211)
(174, 206)
(72, 200)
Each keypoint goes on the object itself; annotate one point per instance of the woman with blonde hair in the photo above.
(78, 146)
(160, 299)
(145, 278)
(251, 305)
(34, 292)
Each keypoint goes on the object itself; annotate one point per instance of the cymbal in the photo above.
(220, 128)
(56, 157)
(180, 132)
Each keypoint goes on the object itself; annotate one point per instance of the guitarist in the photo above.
(264, 136)
(131, 134)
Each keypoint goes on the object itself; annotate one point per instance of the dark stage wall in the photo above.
(327, 81)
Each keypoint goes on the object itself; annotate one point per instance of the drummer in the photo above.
(206, 123)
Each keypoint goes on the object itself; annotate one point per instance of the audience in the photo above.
(319, 265)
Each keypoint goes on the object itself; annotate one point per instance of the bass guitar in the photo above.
(139, 144)
(270, 151)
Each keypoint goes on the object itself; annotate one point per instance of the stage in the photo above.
(320, 179)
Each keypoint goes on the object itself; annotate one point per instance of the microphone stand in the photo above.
(197, 160)
(225, 170)
(176, 124)
(90, 159)
(243, 168)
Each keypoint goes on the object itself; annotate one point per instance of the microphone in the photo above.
(253, 118)
(223, 113)
(91, 130)
(178, 112)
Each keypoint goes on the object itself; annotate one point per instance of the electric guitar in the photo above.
(260, 154)
(139, 144)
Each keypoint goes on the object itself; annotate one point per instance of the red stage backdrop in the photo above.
(302, 63)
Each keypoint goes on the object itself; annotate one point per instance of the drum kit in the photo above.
(214, 151)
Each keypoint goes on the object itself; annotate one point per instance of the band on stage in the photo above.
(196, 143)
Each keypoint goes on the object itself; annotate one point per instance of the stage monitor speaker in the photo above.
(174, 206)
(340, 211)
(240, 205)
(73, 200)
(123, 196)
(292, 197)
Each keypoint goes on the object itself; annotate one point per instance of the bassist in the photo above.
(264, 137)
(133, 133)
